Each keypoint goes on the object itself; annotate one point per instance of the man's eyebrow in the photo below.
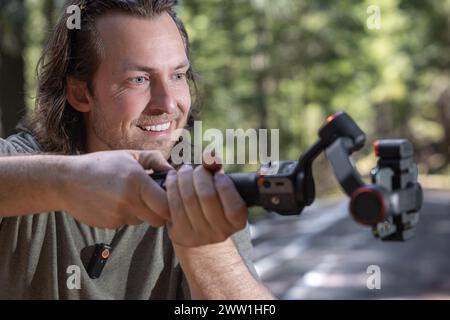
(184, 64)
(138, 67)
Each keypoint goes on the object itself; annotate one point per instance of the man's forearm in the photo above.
(217, 271)
(30, 184)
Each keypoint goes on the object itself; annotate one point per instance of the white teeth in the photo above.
(159, 127)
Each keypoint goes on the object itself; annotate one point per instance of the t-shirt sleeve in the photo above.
(21, 143)
(6, 148)
(242, 240)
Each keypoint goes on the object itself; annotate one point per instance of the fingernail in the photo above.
(169, 166)
(185, 167)
(171, 173)
(220, 177)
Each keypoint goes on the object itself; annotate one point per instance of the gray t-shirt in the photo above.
(43, 256)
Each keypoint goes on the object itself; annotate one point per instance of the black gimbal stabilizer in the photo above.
(389, 205)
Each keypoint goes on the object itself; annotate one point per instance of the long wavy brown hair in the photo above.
(58, 127)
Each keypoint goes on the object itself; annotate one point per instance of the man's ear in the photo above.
(78, 95)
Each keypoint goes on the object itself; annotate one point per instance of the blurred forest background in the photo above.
(288, 64)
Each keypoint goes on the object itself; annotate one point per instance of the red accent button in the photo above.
(106, 253)
(376, 148)
(260, 181)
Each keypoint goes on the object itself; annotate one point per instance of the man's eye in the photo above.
(180, 76)
(138, 80)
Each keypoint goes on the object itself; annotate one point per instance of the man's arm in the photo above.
(217, 271)
(103, 189)
(30, 184)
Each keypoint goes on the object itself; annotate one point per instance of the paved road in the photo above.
(324, 254)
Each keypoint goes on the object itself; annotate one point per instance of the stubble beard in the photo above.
(132, 140)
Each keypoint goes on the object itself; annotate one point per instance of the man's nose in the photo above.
(162, 99)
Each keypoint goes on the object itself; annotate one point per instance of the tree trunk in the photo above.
(12, 99)
(384, 120)
(260, 68)
(49, 9)
(12, 82)
(443, 105)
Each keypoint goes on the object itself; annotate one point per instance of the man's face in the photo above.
(141, 94)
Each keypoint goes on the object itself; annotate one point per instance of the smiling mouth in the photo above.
(156, 128)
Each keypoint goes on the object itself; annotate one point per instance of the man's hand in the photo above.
(204, 209)
(110, 189)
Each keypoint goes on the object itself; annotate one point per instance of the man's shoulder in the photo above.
(22, 142)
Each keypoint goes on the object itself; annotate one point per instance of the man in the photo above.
(110, 96)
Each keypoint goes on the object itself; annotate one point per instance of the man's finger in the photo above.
(178, 213)
(234, 207)
(149, 217)
(210, 201)
(154, 198)
(190, 199)
(134, 220)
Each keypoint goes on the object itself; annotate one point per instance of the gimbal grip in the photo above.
(245, 184)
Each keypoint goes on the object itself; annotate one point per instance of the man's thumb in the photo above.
(152, 160)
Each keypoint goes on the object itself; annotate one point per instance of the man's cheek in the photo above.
(127, 112)
(131, 102)
(186, 108)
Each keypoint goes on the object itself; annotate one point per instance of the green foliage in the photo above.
(289, 64)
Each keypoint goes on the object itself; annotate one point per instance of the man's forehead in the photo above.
(142, 41)
(134, 64)
(157, 29)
